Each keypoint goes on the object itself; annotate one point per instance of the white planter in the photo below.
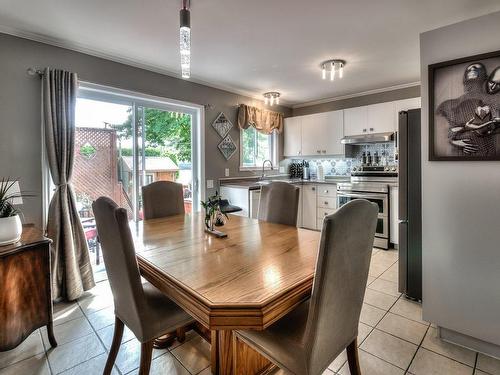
(10, 230)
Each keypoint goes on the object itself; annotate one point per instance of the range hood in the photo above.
(368, 138)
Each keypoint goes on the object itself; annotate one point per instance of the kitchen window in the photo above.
(257, 147)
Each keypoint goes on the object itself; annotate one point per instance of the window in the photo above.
(257, 147)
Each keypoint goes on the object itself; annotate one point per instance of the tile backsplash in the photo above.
(341, 166)
(333, 166)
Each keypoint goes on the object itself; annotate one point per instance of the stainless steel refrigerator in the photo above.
(410, 204)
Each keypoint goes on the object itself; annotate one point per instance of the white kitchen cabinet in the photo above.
(299, 213)
(312, 139)
(309, 208)
(355, 121)
(321, 134)
(381, 118)
(332, 133)
(293, 136)
(326, 203)
(404, 105)
(394, 214)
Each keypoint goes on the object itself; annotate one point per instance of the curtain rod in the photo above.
(34, 71)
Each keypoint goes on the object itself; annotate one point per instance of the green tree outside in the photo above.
(166, 134)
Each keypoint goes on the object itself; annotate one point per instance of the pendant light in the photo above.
(185, 39)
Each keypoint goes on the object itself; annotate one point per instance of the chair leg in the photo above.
(50, 334)
(115, 346)
(352, 357)
(146, 355)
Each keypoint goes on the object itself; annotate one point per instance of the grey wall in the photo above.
(461, 207)
(386, 96)
(20, 144)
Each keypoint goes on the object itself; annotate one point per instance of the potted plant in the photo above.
(10, 223)
(213, 214)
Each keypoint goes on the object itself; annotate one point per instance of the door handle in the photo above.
(402, 221)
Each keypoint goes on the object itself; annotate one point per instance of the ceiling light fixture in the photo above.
(331, 66)
(272, 97)
(185, 39)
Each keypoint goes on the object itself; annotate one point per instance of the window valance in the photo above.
(261, 119)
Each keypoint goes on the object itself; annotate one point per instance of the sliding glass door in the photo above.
(125, 142)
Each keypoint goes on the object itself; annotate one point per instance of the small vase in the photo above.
(10, 230)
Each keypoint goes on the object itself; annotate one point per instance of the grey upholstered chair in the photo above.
(143, 308)
(279, 203)
(162, 198)
(308, 339)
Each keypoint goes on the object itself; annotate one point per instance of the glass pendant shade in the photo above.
(185, 40)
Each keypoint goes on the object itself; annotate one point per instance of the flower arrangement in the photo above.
(213, 214)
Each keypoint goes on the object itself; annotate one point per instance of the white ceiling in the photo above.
(251, 46)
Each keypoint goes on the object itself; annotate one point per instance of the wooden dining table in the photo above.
(248, 280)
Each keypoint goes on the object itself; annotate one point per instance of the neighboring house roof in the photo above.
(154, 164)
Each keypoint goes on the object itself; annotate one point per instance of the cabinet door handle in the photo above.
(364, 130)
(326, 202)
(325, 213)
(313, 189)
(326, 191)
(371, 129)
(324, 151)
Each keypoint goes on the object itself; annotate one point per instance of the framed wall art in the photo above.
(464, 109)
(222, 125)
(227, 147)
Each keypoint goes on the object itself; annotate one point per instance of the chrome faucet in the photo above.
(263, 165)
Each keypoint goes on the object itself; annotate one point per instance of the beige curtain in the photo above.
(263, 120)
(71, 269)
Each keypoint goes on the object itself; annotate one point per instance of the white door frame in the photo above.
(110, 94)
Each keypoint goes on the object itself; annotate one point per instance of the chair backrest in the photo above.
(121, 264)
(162, 198)
(279, 203)
(340, 281)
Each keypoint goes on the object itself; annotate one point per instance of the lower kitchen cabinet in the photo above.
(318, 201)
(326, 202)
(309, 207)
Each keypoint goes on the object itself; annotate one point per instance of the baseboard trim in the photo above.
(469, 342)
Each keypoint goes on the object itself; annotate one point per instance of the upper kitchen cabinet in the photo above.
(293, 136)
(381, 118)
(355, 121)
(321, 134)
(318, 134)
(333, 132)
(406, 104)
(311, 130)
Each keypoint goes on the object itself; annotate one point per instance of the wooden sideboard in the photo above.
(25, 289)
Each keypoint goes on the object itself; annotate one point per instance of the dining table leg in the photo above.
(230, 356)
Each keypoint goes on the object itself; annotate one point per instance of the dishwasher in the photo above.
(253, 203)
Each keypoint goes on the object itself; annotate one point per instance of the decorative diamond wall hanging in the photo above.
(227, 147)
(222, 125)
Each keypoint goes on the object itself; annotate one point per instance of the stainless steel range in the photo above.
(371, 183)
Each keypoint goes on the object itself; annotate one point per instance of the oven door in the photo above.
(382, 229)
(381, 200)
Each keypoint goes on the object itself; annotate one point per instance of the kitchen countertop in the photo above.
(256, 184)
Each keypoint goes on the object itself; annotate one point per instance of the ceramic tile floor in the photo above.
(393, 339)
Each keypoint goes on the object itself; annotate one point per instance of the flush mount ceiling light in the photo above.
(331, 67)
(272, 97)
(185, 39)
